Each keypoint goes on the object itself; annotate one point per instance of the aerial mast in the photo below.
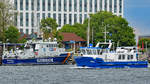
(88, 32)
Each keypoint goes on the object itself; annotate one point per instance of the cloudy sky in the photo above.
(137, 12)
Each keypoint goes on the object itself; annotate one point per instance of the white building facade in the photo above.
(30, 12)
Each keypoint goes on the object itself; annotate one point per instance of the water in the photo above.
(65, 74)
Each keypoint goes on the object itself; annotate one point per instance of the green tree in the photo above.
(78, 29)
(118, 28)
(5, 17)
(12, 35)
(48, 26)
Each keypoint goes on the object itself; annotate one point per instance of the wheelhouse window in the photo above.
(119, 57)
(123, 57)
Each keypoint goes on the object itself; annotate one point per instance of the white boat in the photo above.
(37, 52)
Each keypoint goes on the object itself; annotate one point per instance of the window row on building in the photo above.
(30, 20)
(69, 5)
(30, 12)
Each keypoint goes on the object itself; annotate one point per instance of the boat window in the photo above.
(123, 57)
(128, 57)
(119, 57)
(94, 52)
(98, 52)
(131, 56)
(90, 52)
(83, 51)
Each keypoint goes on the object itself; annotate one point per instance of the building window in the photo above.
(95, 5)
(81, 18)
(65, 19)
(70, 19)
(105, 5)
(49, 15)
(32, 30)
(21, 19)
(43, 5)
(85, 16)
(85, 5)
(120, 6)
(43, 15)
(75, 5)
(75, 18)
(21, 4)
(38, 5)
(54, 5)
(27, 19)
(59, 5)
(110, 5)
(32, 4)
(59, 20)
(27, 31)
(16, 19)
(101, 5)
(38, 19)
(65, 5)
(70, 5)
(21, 30)
(32, 19)
(90, 5)
(49, 5)
(27, 4)
(54, 16)
(115, 6)
(80, 6)
(16, 3)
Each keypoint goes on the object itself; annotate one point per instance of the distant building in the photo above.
(144, 37)
(30, 12)
(71, 40)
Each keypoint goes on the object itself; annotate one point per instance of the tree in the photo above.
(5, 17)
(78, 29)
(118, 28)
(48, 26)
(12, 34)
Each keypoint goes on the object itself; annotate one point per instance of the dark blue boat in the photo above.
(36, 61)
(100, 63)
(99, 57)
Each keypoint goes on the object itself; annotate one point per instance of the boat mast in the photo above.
(105, 34)
(88, 32)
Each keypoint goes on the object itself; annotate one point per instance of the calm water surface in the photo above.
(65, 74)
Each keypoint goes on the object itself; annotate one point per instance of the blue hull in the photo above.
(99, 63)
(37, 61)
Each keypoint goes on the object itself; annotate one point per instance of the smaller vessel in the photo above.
(104, 57)
(35, 53)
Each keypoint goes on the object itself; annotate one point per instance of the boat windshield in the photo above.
(91, 51)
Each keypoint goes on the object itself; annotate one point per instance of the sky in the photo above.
(137, 13)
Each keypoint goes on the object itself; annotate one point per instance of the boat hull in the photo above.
(99, 63)
(58, 60)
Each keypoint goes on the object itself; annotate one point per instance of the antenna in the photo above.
(105, 33)
(88, 32)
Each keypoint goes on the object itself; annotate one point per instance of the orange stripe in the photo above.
(66, 58)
